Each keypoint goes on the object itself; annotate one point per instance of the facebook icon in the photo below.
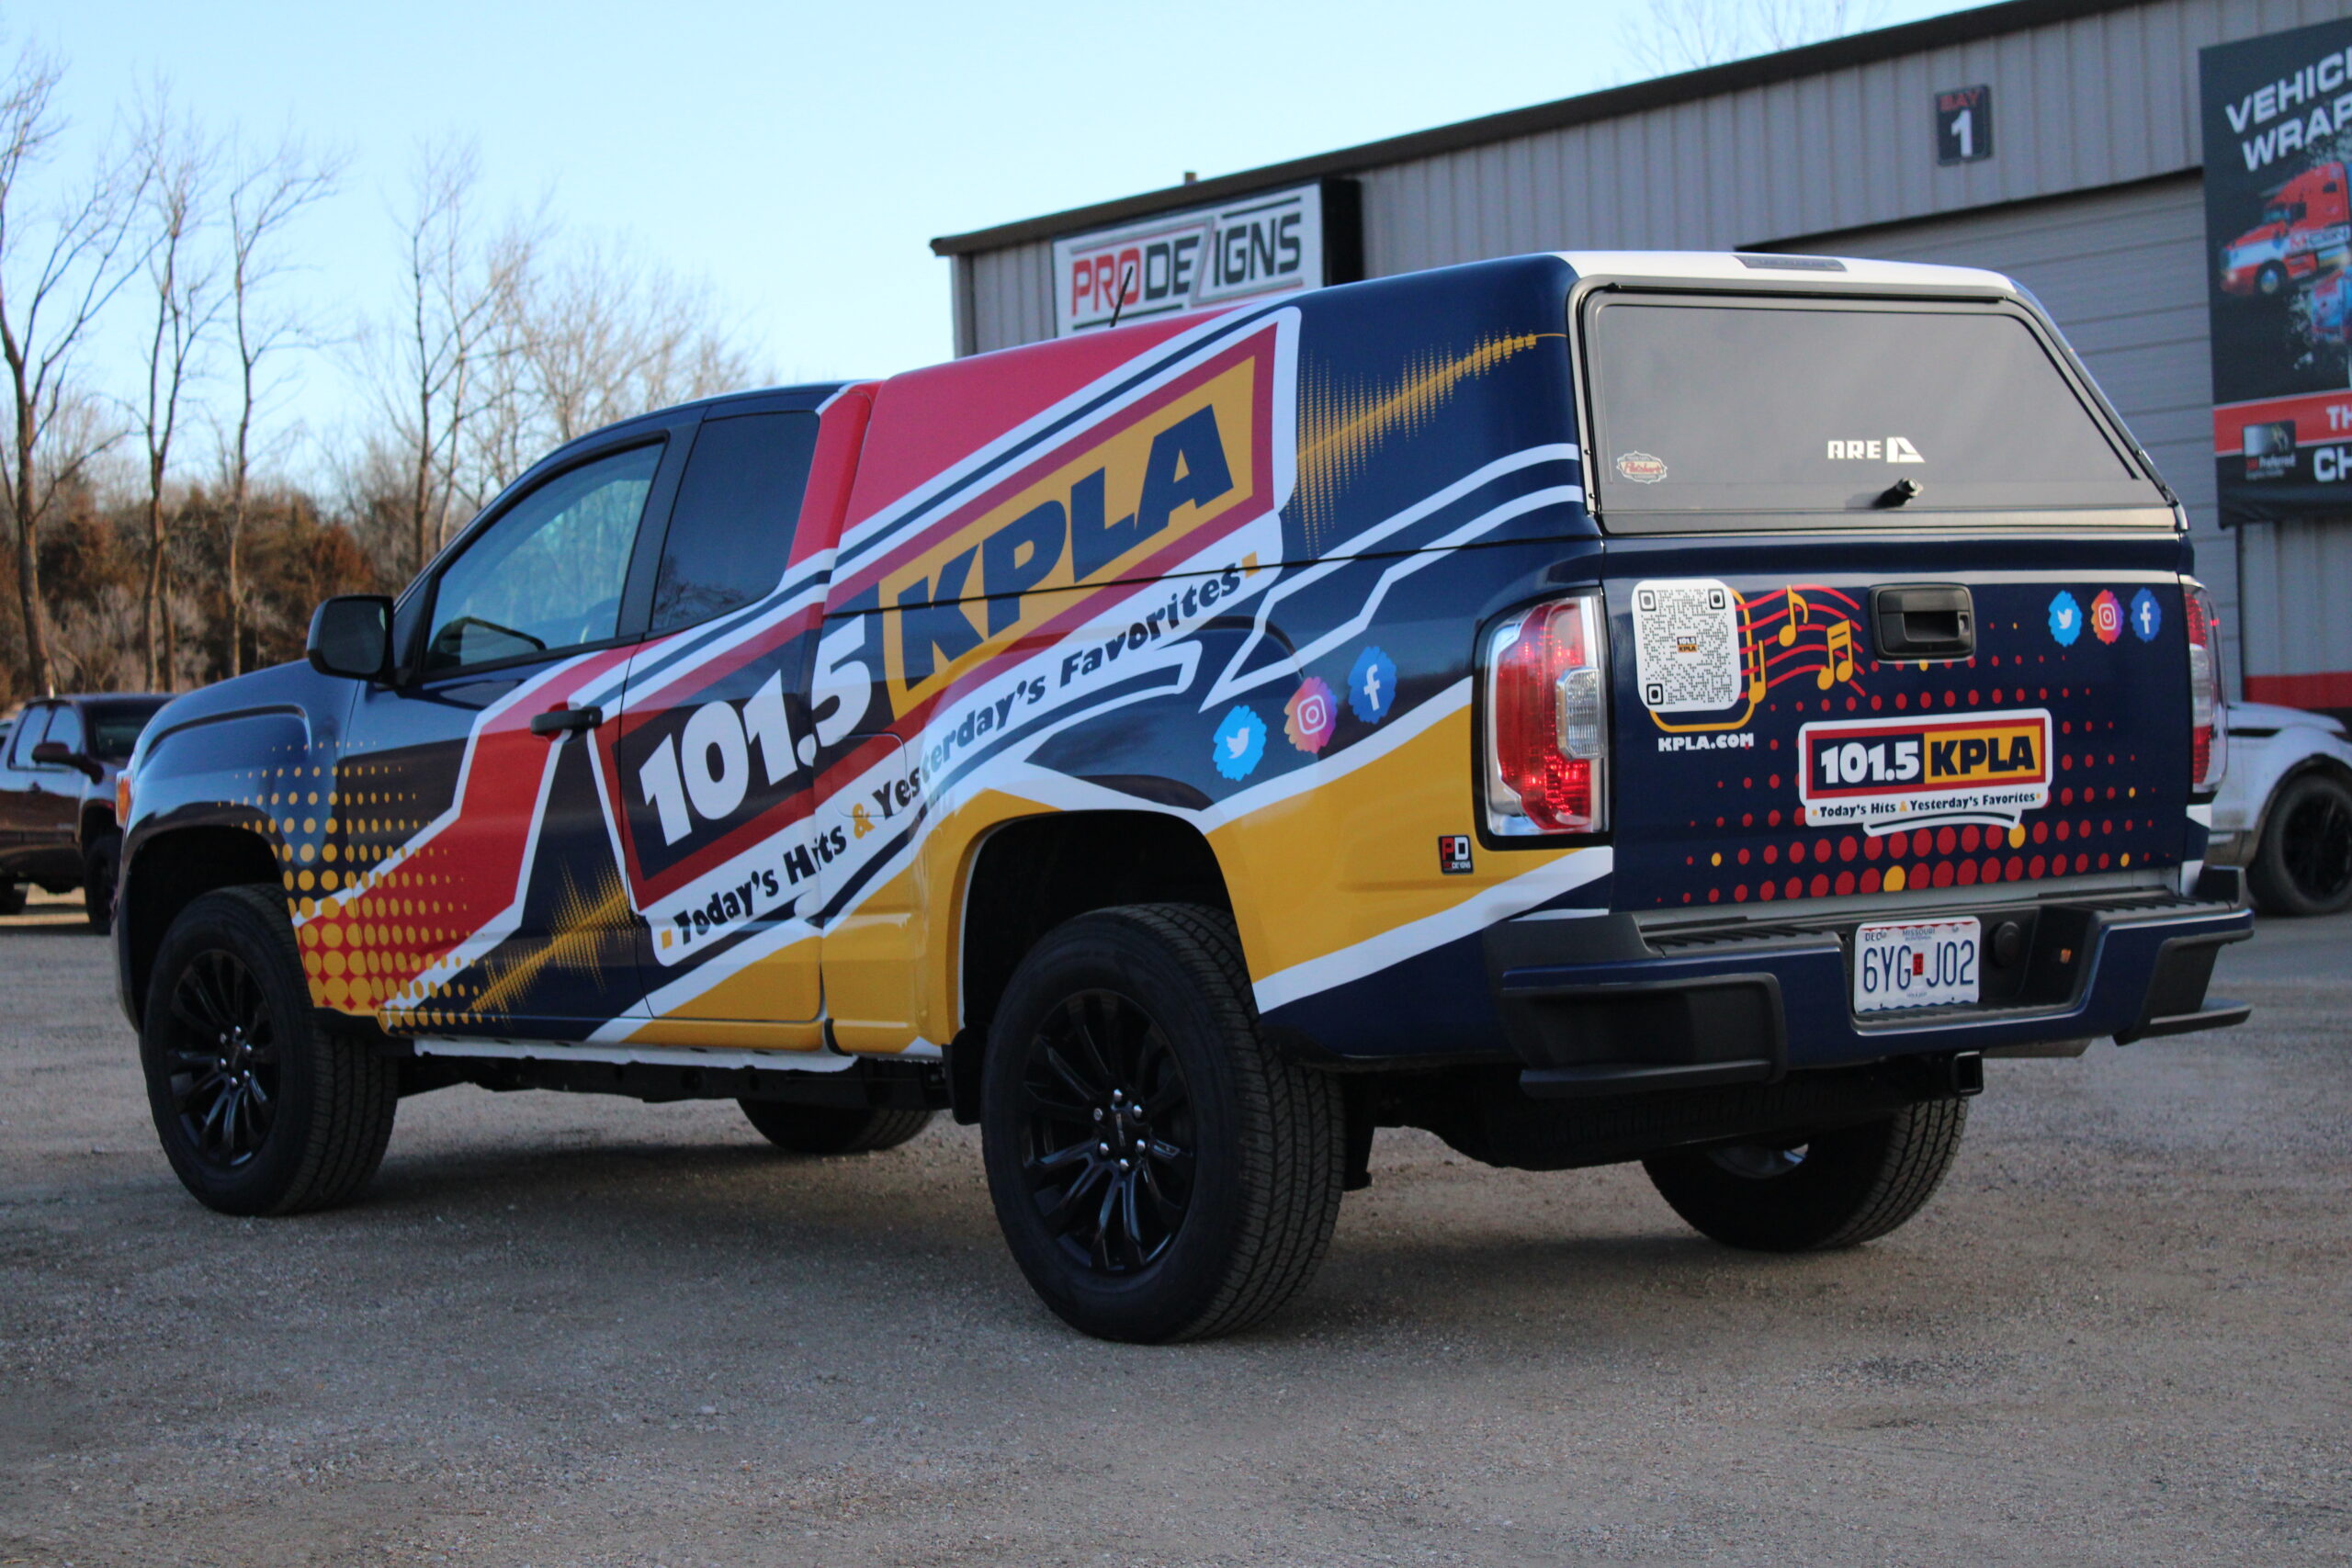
(2147, 616)
(1372, 685)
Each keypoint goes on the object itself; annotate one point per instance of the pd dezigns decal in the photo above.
(1886, 775)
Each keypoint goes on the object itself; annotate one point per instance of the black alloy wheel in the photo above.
(222, 1055)
(2303, 865)
(1108, 1143)
(1160, 1169)
(259, 1108)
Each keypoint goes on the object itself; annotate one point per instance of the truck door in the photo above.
(20, 783)
(711, 759)
(469, 876)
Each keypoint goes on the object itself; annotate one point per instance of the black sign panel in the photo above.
(1964, 125)
(2277, 119)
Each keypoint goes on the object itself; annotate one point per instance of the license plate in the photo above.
(1931, 963)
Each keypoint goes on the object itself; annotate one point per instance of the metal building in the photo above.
(2080, 177)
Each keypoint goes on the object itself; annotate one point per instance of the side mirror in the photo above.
(352, 636)
(57, 754)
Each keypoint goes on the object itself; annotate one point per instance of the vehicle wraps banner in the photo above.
(2277, 120)
(1254, 247)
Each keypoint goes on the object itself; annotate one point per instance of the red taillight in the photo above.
(2208, 722)
(1547, 719)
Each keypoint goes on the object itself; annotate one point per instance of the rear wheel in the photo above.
(833, 1129)
(101, 868)
(258, 1110)
(2303, 865)
(1839, 1189)
(1161, 1172)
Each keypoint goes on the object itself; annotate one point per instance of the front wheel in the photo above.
(1835, 1190)
(101, 868)
(2303, 865)
(2272, 280)
(259, 1111)
(1161, 1172)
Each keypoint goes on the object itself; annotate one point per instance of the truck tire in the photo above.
(12, 897)
(101, 868)
(2270, 279)
(1160, 1172)
(2304, 864)
(833, 1129)
(259, 1111)
(1839, 1189)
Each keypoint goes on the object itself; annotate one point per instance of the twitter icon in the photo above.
(2065, 619)
(1241, 741)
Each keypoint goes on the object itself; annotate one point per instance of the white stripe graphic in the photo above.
(1500, 902)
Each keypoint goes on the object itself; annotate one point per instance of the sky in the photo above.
(800, 158)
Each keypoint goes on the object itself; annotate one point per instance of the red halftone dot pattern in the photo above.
(1774, 783)
(1844, 882)
(1968, 837)
(1739, 894)
(1714, 895)
(1902, 701)
(1821, 884)
(1794, 889)
(1942, 875)
(2064, 830)
(1772, 819)
(1964, 873)
(1768, 891)
(1946, 840)
(2035, 865)
(1870, 850)
(2082, 862)
(2102, 861)
(2066, 762)
(1771, 854)
(1748, 819)
(1870, 880)
(1876, 702)
(1743, 857)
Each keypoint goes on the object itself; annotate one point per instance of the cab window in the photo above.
(28, 736)
(730, 532)
(65, 729)
(547, 576)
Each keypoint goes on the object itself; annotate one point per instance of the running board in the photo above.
(631, 1055)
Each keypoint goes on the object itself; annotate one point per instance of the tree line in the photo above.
(172, 519)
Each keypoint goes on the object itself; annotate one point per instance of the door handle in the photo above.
(558, 721)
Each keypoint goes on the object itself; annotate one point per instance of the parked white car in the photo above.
(2284, 809)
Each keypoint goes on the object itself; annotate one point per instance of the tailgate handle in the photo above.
(1924, 621)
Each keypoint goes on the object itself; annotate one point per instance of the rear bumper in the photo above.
(1749, 1006)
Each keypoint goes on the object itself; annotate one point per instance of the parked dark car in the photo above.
(57, 779)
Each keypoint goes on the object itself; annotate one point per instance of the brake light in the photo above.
(1547, 719)
(2208, 720)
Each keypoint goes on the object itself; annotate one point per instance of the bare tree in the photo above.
(1690, 34)
(268, 189)
(181, 166)
(458, 289)
(59, 270)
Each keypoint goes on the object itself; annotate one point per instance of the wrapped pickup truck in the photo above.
(1685, 708)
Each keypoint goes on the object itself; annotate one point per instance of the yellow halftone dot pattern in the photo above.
(1341, 426)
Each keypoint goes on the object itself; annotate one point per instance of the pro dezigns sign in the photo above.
(1280, 241)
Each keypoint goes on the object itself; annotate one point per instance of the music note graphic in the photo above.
(1838, 664)
(1799, 611)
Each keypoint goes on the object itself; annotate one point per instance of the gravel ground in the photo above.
(567, 1330)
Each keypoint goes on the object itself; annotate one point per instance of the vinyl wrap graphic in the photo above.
(1227, 569)
(1222, 569)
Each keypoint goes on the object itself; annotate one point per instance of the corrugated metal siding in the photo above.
(2123, 274)
(2104, 100)
(1011, 296)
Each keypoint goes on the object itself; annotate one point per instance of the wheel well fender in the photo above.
(1031, 874)
(2322, 763)
(170, 871)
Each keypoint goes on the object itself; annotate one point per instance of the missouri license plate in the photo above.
(1931, 963)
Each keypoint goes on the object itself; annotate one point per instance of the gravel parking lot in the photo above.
(570, 1330)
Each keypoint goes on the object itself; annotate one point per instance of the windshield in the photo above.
(1766, 406)
(115, 727)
